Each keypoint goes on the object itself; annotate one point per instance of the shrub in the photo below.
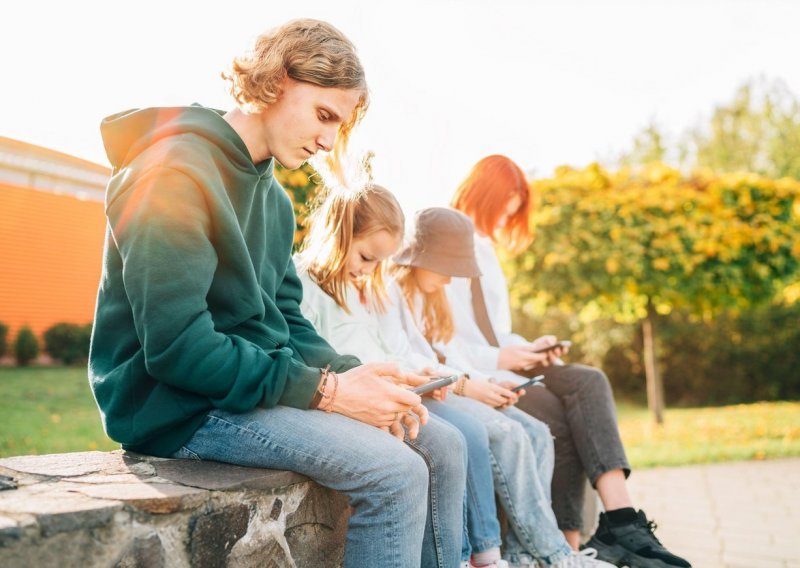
(26, 346)
(3, 339)
(68, 342)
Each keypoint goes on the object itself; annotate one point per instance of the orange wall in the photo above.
(51, 250)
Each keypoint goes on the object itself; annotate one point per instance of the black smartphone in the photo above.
(565, 344)
(435, 384)
(529, 382)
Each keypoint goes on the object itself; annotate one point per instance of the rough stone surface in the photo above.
(145, 551)
(7, 482)
(224, 477)
(69, 465)
(215, 534)
(158, 498)
(124, 510)
(320, 518)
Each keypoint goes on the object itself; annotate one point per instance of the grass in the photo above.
(46, 410)
(51, 410)
(757, 431)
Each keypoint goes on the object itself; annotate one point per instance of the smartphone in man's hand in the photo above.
(435, 384)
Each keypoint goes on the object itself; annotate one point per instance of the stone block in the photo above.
(145, 551)
(158, 498)
(321, 519)
(70, 465)
(217, 476)
(58, 510)
(215, 534)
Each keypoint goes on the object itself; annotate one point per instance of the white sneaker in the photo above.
(496, 564)
(531, 564)
(586, 558)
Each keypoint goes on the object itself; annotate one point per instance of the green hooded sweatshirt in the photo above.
(198, 306)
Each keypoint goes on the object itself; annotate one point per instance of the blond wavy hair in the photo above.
(305, 50)
(437, 317)
(341, 218)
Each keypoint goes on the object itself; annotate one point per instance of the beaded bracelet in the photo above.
(326, 374)
(335, 389)
(462, 384)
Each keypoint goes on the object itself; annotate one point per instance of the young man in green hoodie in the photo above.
(199, 349)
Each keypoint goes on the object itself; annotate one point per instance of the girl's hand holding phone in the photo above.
(552, 349)
(491, 393)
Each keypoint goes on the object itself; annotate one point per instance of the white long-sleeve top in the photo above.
(473, 344)
(402, 330)
(357, 333)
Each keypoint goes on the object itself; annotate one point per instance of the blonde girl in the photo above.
(341, 267)
(351, 236)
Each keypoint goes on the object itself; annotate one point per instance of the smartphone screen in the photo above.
(533, 381)
(565, 344)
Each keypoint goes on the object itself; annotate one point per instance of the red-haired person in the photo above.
(577, 403)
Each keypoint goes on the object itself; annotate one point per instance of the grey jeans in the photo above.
(578, 406)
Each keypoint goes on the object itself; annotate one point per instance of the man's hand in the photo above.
(370, 394)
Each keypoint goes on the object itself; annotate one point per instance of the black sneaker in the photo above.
(632, 544)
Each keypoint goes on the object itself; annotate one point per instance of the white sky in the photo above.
(546, 83)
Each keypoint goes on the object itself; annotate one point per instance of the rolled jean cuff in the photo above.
(486, 544)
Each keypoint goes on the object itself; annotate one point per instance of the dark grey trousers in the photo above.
(578, 406)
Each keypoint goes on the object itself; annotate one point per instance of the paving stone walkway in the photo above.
(736, 515)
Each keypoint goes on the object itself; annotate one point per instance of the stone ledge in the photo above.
(124, 509)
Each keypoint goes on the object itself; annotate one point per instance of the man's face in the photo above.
(304, 120)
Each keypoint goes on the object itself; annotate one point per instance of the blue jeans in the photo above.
(522, 464)
(407, 499)
(482, 527)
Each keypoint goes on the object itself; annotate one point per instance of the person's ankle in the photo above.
(621, 516)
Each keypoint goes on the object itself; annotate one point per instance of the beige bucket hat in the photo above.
(443, 242)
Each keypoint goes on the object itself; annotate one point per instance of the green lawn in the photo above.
(46, 410)
(704, 435)
(50, 410)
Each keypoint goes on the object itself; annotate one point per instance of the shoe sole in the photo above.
(620, 556)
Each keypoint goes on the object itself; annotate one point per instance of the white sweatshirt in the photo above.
(473, 344)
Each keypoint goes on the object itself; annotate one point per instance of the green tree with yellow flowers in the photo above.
(643, 241)
(302, 185)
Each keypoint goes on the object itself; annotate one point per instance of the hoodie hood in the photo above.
(127, 134)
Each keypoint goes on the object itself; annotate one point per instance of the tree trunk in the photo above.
(655, 388)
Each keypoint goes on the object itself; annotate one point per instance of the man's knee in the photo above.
(405, 477)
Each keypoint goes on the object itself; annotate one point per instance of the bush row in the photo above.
(65, 342)
(751, 357)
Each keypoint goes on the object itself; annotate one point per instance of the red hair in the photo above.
(485, 194)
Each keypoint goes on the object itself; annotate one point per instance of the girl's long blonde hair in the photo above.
(304, 50)
(341, 218)
(437, 317)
